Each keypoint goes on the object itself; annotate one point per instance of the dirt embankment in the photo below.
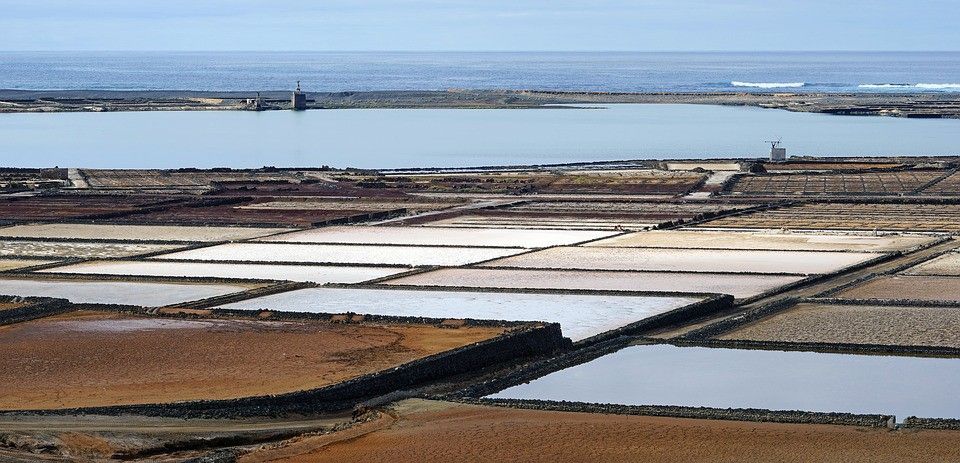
(439, 431)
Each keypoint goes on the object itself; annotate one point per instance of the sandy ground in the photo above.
(93, 438)
(925, 288)
(918, 326)
(89, 358)
(11, 264)
(437, 431)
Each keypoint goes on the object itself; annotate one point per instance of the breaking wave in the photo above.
(884, 86)
(939, 86)
(921, 86)
(737, 83)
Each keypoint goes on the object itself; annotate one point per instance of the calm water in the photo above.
(580, 316)
(612, 71)
(730, 378)
(394, 138)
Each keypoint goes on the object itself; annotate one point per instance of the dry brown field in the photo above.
(949, 186)
(625, 182)
(84, 359)
(417, 430)
(941, 218)
(923, 288)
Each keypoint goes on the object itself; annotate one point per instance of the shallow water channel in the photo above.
(775, 380)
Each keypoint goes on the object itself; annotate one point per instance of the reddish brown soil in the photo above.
(626, 182)
(231, 215)
(90, 359)
(76, 207)
(436, 431)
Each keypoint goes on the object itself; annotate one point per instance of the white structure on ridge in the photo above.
(777, 154)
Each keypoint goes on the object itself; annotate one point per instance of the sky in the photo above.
(494, 25)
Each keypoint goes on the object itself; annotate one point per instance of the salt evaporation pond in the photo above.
(343, 254)
(688, 260)
(736, 285)
(116, 292)
(580, 316)
(437, 236)
(767, 240)
(775, 380)
(310, 273)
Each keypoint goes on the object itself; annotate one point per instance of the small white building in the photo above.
(777, 154)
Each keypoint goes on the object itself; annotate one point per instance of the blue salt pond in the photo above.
(775, 380)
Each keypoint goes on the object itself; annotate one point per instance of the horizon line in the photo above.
(466, 51)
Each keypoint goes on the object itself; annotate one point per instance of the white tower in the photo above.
(777, 154)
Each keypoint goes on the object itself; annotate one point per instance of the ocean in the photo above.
(590, 71)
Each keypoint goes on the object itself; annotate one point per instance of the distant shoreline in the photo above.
(909, 105)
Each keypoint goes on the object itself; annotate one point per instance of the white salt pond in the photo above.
(775, 380)
(580, 316)
(738, 286)
(691, 260)
(543, 223)
(136, 232)
(309, 273)
(764, 240)
(435, 236)
(116, 292)
(343, 254)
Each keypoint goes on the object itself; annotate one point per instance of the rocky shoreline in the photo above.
(909, 105)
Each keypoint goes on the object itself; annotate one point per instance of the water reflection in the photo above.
(733, 378)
